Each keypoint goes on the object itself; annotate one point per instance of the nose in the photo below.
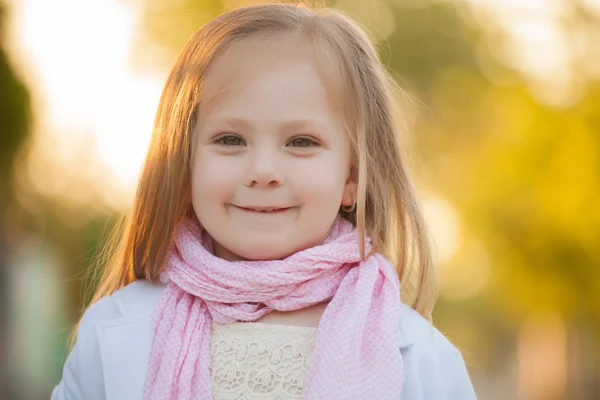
(263, 170)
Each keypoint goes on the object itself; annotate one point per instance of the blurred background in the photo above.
(506, 154)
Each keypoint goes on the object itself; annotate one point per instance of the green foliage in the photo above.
(14, 113)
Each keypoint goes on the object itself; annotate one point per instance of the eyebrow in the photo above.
(289, 125)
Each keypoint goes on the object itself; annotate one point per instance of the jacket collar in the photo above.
(125, 347)
(409, 322)
(125, 342)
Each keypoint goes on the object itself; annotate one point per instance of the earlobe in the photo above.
(350, 194)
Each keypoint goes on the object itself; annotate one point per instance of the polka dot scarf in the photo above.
(356, 354)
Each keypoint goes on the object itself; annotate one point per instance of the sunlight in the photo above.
(592, 5)
(444, 225)
(537, 44)
(78, 57)
(464, 264)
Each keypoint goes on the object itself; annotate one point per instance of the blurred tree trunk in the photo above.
(14, 128)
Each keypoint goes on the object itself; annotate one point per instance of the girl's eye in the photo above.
(230, 141)
(303, 142)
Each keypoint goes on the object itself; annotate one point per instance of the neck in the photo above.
(224, 253)
(308, 316)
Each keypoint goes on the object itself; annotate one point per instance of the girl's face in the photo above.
(272, 161)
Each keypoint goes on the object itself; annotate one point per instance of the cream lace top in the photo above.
(255, 360)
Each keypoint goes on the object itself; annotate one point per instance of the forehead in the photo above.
(268, 67)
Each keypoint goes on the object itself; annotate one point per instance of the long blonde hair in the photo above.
(387, 208)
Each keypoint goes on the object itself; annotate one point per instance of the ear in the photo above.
(350, 189)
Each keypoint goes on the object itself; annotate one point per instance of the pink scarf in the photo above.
(356, 352)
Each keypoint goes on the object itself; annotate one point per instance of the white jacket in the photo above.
(113, 344)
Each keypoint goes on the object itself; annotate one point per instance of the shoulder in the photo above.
(136, 299)
(417, 332)
(83, 374)
(434, 367)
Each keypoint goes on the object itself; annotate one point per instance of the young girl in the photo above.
(254, 264)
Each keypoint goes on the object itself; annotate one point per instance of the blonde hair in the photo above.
(387, 208)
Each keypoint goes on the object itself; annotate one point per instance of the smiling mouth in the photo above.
(264, 210)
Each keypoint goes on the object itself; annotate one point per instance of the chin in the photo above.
(258, 252)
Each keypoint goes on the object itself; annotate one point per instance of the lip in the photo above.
(263, 209)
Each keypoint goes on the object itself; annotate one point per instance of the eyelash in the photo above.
(312, 142)
(220, 140)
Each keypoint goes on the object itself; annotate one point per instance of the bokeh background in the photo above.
(505, 152)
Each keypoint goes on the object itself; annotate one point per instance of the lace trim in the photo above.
(254, 360)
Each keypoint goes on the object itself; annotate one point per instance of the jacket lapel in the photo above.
(125, 348)
(408, 327)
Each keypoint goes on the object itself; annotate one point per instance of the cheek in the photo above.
(320, 181)
(213, 178)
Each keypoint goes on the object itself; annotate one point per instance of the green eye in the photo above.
(230, 141)
(303, 142)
